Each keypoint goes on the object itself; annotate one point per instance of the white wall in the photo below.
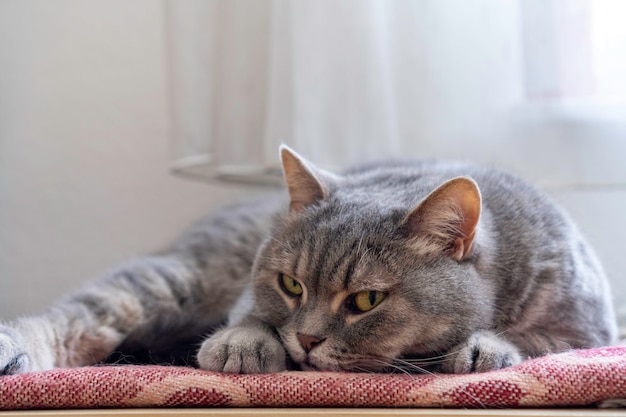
(84, 145)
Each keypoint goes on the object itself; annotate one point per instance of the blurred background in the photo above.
(122, 122)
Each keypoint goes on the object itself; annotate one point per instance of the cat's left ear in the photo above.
(446, 220)
(306, 183)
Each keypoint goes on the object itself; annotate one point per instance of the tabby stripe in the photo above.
(175, 283)
(350, 272)
(298, 257)
(343, 259)
(142, 288)
(320, 260)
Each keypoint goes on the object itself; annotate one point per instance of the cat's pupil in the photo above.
(372, 297)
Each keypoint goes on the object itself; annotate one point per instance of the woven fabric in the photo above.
(575, 378)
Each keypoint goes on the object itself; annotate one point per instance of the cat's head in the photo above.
(352, 281)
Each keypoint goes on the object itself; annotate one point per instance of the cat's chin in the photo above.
(308, 366)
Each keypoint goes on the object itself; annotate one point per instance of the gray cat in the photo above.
(421, 266)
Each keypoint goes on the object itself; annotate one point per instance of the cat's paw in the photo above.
(13, 358)
(244, 350)
(482, 352)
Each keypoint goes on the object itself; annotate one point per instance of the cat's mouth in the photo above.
(380, 365)
(348, 365)
(304, 365)
(315, 364)
(308, 366)
(342, 364)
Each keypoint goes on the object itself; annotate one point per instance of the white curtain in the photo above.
(344, 81)
(557, 36)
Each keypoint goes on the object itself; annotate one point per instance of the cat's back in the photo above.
(409, 182)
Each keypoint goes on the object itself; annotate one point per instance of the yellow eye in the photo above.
(366, 300)
(290, 285)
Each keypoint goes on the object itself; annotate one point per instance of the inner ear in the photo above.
(446, 220)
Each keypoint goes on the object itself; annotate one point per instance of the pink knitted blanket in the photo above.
(574, 378)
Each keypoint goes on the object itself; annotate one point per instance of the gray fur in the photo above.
(524, 285)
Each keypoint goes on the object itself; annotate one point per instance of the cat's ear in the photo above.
(446, 220)
(306, 183)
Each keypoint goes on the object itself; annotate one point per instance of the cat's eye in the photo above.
(290, 285)
(365, 300)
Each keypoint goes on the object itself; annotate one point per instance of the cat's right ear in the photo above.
(306, 184)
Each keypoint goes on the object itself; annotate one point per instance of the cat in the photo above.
(408, 266)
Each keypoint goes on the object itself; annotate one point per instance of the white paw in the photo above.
(482, 352)
(13, 358)
(243, 350)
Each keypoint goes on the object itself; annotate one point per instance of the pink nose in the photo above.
(309, 342)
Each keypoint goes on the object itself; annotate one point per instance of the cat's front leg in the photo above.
(249, 347)
(483, 351)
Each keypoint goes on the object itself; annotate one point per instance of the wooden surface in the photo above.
(319, 412)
